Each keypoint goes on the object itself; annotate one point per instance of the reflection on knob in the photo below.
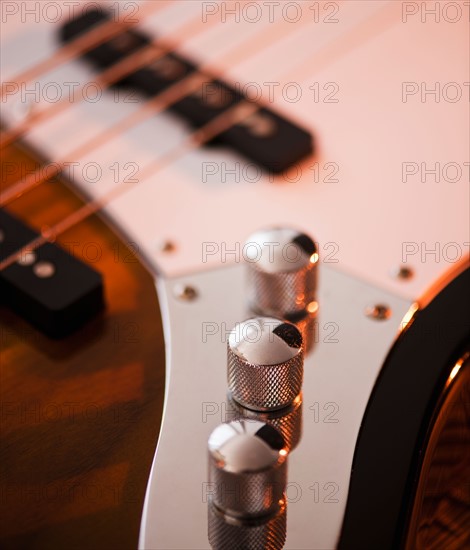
(288, 420)
(264, 363)
(282, 277)
(248, 476)
(282, 271)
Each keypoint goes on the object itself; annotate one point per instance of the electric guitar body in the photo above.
(80, 415)
(137, 161)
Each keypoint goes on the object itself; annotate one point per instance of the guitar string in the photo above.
(131, 62)
(152, 106)
(221, 123)
(85, 42)
(194, 140)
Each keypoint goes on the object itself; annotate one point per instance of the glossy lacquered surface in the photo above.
(396, 432)
(79, 417)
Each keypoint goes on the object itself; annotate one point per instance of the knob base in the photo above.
(228, 533)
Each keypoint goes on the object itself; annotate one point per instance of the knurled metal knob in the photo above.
(282, 271)
(288, 420)
(247, 477)
(264, 363)
(227, 533)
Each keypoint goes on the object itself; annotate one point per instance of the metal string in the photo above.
(234, 115)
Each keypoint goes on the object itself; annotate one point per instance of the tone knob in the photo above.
(288, 420)
(282, 272)
(247, 476)
(264, 363)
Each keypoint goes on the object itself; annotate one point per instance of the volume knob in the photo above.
(247, 477)
(282, 272)
(264, 363)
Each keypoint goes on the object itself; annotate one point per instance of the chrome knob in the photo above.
(282, 271)
(288, 420)
(264, 363)
(247, 476)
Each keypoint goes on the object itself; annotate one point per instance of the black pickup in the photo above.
(266, 138)
(51, 289)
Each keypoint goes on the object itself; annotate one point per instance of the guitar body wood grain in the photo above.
(79, 417)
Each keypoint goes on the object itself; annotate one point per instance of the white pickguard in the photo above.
(368, 214)
(365, 222)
